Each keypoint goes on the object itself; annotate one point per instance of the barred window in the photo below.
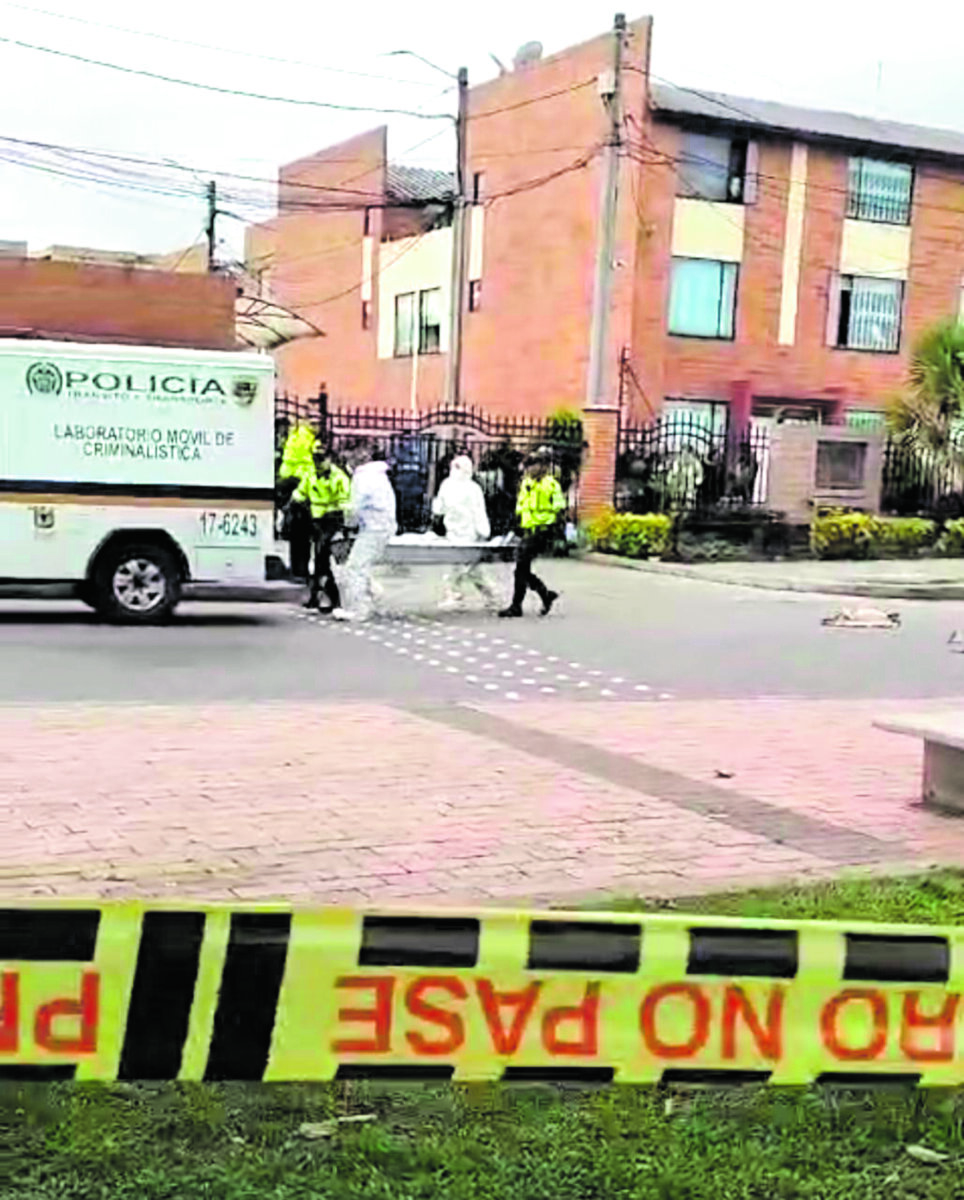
(869, 316)
(879, 191)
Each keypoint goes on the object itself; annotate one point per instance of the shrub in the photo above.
(904, 536)
(630, 535)
(951, 541)
(838, 534)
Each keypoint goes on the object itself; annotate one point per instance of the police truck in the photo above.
(131, 476)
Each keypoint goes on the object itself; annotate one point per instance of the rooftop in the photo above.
(817, 123)
(419, 184)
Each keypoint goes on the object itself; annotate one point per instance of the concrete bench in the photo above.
(943, 737)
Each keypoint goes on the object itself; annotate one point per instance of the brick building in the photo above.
(772, 262)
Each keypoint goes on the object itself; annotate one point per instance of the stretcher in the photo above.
(430, 550)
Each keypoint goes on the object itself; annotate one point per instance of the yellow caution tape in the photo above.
(134, 991)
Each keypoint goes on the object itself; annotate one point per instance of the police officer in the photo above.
(539, 509)
(297, 471)
(328, 495)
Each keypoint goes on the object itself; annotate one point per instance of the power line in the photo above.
(219, 90)
(178, 41)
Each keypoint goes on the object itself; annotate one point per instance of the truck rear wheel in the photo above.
(137, 584)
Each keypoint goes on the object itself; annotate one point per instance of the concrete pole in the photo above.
(460, 244)
(609, 88)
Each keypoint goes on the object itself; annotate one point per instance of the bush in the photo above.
(951, 542)
(630, 535)
(838, 534)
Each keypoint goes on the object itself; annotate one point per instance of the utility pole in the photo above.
(212, 195)
(460, 247)
(609, 90)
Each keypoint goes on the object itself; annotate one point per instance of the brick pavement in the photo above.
(360, 803)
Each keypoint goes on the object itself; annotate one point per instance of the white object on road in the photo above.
(862, 618)
(134, 473)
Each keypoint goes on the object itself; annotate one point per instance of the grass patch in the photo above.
(207, 1142)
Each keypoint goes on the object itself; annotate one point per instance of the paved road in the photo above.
(667, 636)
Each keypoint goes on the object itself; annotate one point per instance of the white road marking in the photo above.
(548, 691)
(617, 679)
(512, 695)
(506, 674)
(582, 684)
(607, 692)
(642, 687)
(433, 662)
(491, 687)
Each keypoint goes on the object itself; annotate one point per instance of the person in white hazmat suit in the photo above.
(461, 505)
(372, 508)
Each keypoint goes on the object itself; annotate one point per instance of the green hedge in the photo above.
(951, 541)
(838, 534)
(630, 535)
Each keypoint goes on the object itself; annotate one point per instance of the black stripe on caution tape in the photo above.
(770, 953)
(247, 1006)
(419, 942)
(584, 946)
(162, 995)
(48, 934)
(891, 958)
(35, 1073)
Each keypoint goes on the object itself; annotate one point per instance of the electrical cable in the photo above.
(177, 41)
(218, 89)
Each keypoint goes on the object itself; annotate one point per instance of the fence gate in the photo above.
(679, 463)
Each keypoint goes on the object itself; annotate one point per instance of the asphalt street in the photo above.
(617, 634)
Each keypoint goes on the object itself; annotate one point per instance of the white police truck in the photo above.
(131, 476)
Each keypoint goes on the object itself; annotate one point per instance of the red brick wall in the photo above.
(527, 349)
(810, 369)
(317, 268)
(116, 304)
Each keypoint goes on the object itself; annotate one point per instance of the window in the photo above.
(879, 191)
(712, 168)
(477, 180)
(404, 324)
(368, 222)
(840, 465)
(366, 314)
(428, 306)
(711, 415)
(702, 298)
(869, 314)
(475, 295)
(430, 321)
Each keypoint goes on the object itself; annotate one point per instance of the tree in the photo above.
(929, 412)
(926, 422)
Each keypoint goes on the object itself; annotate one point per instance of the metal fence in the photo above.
(920, 482)
(420, 448)
(679, 464)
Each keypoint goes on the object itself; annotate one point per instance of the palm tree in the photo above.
(930, 411)
(927, 418)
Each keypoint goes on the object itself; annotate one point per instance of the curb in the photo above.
(934, 590)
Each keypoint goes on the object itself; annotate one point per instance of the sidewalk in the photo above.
(531, 803)
(919, 579)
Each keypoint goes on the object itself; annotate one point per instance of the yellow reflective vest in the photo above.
(540, 502)
(296, 458)
(329, 493)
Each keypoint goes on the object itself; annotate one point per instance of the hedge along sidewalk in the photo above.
(882, 579)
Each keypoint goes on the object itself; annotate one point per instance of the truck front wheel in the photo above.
(137, 584)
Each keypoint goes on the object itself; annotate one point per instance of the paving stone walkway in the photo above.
(540, 801)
